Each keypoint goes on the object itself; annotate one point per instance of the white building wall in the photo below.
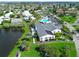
(56, 30)
(47, 37)
(1, 20)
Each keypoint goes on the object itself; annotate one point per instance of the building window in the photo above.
(46, 38)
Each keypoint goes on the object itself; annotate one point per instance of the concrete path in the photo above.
(71, 28)
(75, 36)
(76, 40)
(18, 54)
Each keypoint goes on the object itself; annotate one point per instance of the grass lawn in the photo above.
(27, 53)
(70, 44)
(30, 53)
(6, 25)
(1, 26)
(26, 30)
(68, 19)
(76, 27)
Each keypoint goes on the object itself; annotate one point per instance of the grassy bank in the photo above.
(32, 52)
(26, 30)
(59, 49)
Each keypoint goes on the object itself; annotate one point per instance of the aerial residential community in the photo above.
(39, 29)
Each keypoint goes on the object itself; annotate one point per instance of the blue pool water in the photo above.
(44, 20)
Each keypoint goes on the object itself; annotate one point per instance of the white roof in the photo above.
(26, 13)
(7, 19)
(8, 15)
(26, 18)
(33, 18)
(1, 17)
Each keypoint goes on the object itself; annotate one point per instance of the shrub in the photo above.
(57, 49)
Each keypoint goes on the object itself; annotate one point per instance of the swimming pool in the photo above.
(44, 20)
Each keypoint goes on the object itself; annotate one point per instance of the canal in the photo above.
(8, 39)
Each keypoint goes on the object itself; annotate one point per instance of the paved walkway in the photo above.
(18, 53)
(45, 42)
(75, 36)
(76, 40)
(71, 28)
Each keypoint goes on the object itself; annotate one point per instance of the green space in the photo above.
(1, 26)
(66, 33)
(31, 52)
(25, 31)
(65, 29)
(7, 24)
(58, 36)
(68, 18)
(58, 49)
(76, 27)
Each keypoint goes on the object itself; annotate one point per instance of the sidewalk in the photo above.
(76, 40)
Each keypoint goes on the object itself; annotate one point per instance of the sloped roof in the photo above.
(26, 13)
(47, 28)
(8, 14)
(41, 28)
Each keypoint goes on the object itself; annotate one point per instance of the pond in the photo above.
(8, 40)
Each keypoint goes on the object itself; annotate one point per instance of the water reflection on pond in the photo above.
(8, 39)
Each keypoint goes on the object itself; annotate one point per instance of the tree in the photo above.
(39, 7)
(1, 13)
(76, 28)
(18, 16)
(54, 9)
(58, 36)
(52, 51)
(7, 12)
(12, 16)
(23, 45)
(36, 15)
(73, 15)
(65, 29)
